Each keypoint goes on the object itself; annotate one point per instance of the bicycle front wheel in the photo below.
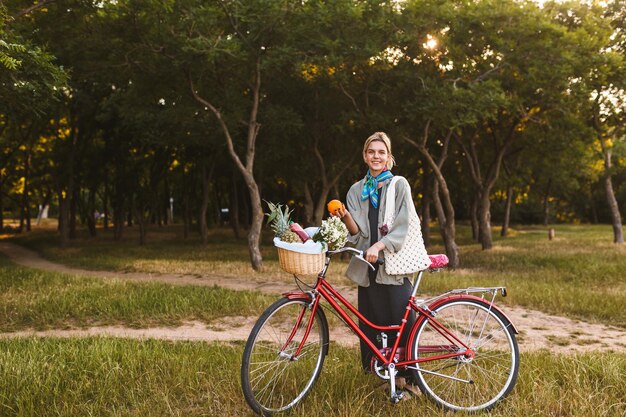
(465, 383)
(272, 378)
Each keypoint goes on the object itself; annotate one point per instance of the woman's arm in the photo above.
(371, 254)
(352, 205)
(347, 219)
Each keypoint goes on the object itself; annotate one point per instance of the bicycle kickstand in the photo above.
(395, 395)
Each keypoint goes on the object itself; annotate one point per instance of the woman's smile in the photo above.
(376, 157)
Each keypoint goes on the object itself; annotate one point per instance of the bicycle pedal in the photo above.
(397, 397)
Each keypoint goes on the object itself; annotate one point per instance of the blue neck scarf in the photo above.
(370, 188)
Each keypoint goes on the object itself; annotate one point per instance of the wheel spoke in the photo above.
(272, 381)
(492, 368)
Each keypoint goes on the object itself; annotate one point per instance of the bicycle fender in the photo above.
(299, 295)
(295, 295)
(480, 300)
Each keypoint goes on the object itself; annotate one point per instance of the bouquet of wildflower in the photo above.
(333, 232)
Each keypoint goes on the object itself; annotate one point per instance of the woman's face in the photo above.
(376, 157)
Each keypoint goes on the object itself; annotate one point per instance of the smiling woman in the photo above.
(381, 295)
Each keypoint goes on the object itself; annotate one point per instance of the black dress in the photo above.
(380, 303)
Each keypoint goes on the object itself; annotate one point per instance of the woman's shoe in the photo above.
(408, 387)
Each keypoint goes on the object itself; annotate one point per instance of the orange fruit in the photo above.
(333, 206)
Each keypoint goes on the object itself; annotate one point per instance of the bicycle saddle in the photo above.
(438, 261)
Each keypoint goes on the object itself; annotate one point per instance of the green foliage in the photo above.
(7, 60)
(118, 75)
(32, 81)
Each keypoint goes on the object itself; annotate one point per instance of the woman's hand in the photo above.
(371, 255)
(347, 219)
(340, 212)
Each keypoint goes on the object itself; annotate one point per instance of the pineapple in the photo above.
(279, 222)
(290, 237)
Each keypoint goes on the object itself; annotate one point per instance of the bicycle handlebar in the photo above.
(357, 254)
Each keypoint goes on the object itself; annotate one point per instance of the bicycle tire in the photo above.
(271, 380)
(492, 371)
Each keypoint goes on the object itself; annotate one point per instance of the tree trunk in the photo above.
(254, 235)
(105, 205)
(91, 208)
(129, 214)
(185, 206)
(204, 206)
(142, 221)
(186, 216)
(320, 207)
(618, 234)
(20, 228)
(246, 168)
(425, 207)
(1, 206)
(546, 210)
(73, 209)
(326, 183)
(441, 196)
(309, 206)
(118, 211)
(484, 220)
(594, 209)
(70, 218)
(616, 218)
(64, 213)
(485, 183)
(45, 203)
(247, 211)
(447, 229)
(234, 208)
(142, 231)
(168, 208)
(25, 197)
(546, 203)
(507, 211)
(474, 218)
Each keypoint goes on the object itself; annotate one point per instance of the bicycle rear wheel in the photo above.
(462, 383)
(271, 378)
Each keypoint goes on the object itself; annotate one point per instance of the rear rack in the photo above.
(483, 291)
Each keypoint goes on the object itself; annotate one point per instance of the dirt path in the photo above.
(537, 330)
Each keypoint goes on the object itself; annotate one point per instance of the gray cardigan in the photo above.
(357, 270)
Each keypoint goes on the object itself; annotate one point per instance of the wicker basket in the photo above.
(300, 263)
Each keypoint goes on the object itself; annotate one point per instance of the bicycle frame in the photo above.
(386, 357)
(327, 292)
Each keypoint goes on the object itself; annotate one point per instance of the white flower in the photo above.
(333, 232)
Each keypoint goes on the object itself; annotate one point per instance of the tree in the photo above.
(31, 86)
(336, 91)
(602, 84)
(251, 41)
(528, 60)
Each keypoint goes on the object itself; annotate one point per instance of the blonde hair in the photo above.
(381, 137)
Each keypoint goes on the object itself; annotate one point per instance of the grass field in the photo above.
(166, 252)
(119, 377)
(43, 300)
(579, 274)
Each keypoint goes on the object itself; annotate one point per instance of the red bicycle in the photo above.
(461, 350)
